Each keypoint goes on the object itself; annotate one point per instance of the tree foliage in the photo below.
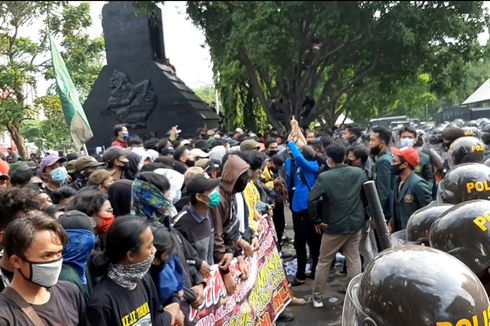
(24, 59)
(317, 59)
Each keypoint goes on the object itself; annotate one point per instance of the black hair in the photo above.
(165, 160)
(17, 200)
(179, 152)
(354, 129)
(384, 134)
(162, 143)
(219, 142)
(117, 128)
(336, 152)
(269, 141)
(21, 178)
(135, 140)
(308, 152)
(153, 166)
(254, 159)
(51, 210)
(88, 201)
(202, 144)
(360, 151)
(123, 236)
(151, 143)
(162, 240)
(158, 180)
(62, 193)
(407, 129)
(278, 160)
(199, 131)
(326, 140)
(71, 156)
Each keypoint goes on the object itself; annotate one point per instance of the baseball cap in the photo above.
(98, 177)
(199, 184)
(240, 130)
(249, 145)
(409, 154)
(4, 170)
(197, 152)
(49, 160)
(20, 166)
(85, 162)
(185, 142)
(76, 220)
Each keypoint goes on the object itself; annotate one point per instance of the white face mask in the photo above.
(406, 142)
(45, 274)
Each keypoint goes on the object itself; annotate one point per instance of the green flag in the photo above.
(72, 108)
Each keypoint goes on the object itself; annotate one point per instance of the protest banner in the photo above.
(256, 301)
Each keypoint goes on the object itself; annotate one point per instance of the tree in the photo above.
(311, 59)
(206, 93)
(24, 59)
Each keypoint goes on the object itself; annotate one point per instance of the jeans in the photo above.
(304, 233)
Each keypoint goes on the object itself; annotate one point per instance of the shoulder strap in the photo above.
(24, 306)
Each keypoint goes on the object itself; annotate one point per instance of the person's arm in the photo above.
(383, 185)
(300, 160)
(314, 197)
(423, 193)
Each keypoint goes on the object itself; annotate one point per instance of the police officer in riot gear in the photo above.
(466, 149)
(415, 285)
(418, 226)
(464, 232)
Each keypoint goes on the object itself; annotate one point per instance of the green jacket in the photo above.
(424, 169)
(414, 194)
(339, 190)
(384, 181)
(68, 273)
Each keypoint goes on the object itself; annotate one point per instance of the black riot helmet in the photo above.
(415, 285)
(465, 182)
(485, 134)
(466, 149)
(435, 136)
(419, 223)
(463, 231)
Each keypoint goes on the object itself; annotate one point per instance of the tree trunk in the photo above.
(18, 140)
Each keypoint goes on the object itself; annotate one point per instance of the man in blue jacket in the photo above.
(302, 171)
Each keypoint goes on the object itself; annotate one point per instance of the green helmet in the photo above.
(464, 232)
(418, 225)
(465, 182)
(415, 285)
(466, 150)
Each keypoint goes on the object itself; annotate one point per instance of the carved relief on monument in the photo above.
(132, 104)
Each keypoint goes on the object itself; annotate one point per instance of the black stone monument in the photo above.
(136, 87)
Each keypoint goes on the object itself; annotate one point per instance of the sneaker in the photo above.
(285, 316)
(297, 282)
(317, 303)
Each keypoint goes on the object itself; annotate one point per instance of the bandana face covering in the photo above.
(148, 199)
(127, 276)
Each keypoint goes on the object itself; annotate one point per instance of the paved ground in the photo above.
(331, 313)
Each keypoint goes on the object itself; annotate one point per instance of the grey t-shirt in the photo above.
(66, 307)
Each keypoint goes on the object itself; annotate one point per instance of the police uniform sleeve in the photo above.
(314, 198)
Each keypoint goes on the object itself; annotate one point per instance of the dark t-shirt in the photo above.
(114, 305)
(66, 307)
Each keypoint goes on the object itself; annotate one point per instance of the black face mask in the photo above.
(272, 153)
(395, 169)
(190, 163)
(348, 162)
(241, 182)
(375, 151)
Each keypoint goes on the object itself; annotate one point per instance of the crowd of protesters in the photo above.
(127, 236)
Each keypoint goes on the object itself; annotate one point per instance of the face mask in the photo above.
(59, 175)
(348, 162)
(128, 275)
(406, 142)
(44, 274)
(125, 136)
(106, 222)
(272, 153)
(395, 169)
(177, 196)
(214, 199)
(190, 163)
(375, 151)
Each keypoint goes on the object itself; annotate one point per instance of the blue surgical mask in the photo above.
(59, 175)
(214, 199)
(406, 142)
(125, 136)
